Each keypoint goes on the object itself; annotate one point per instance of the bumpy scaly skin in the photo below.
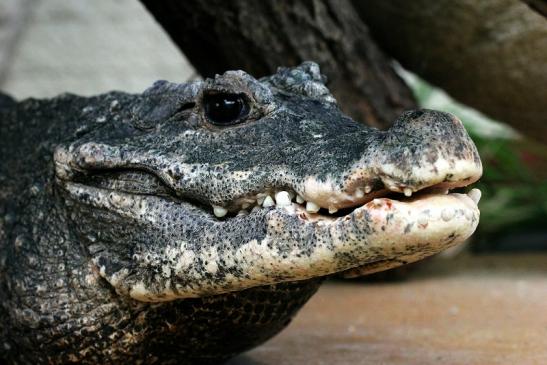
(109, 250)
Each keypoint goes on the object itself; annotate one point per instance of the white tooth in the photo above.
(475, 194)
(312, 207)
(447, 214)
(359, 193)
(377, 202)
(407, 191)
(242, 212)
(268, 202)
(299, 199)
(292, 195)
(245, 205)
(256, 208)
(282, 199)
(332, 210)
(219, 211)
(368, 189)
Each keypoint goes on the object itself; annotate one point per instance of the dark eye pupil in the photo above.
(225, 109)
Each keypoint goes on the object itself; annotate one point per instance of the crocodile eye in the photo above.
(225, 109)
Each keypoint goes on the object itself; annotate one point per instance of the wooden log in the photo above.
(259, 36)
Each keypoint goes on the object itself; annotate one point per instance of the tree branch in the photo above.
(259, 36)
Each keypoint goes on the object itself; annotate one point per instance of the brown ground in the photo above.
(469, 310)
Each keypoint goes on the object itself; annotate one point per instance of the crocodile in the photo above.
(190, 222)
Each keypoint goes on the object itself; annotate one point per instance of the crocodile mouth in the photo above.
(282, 237)
(445, 199)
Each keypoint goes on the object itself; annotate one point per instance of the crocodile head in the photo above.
(229, 183)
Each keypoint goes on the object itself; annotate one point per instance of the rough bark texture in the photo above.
(259, 36)
(490, 54)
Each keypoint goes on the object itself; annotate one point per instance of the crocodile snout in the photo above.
(427, 147)
(423, 148)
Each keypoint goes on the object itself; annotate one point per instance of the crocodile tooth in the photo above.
(242, 212)
(299, 199)
(312, 207)
(255, 208)
(407, 192)
(359, 193)
(377, 202)
(475, 195)
(268, 202)
(368, 189)
(332, 210)
(245, 205)
(292, 194)
(219, 211)
(282, 199)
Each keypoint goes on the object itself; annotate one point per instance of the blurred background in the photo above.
(48, 47)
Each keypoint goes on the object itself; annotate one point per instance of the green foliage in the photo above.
(514, 185)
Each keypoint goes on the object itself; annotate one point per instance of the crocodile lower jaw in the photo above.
(296, 244)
